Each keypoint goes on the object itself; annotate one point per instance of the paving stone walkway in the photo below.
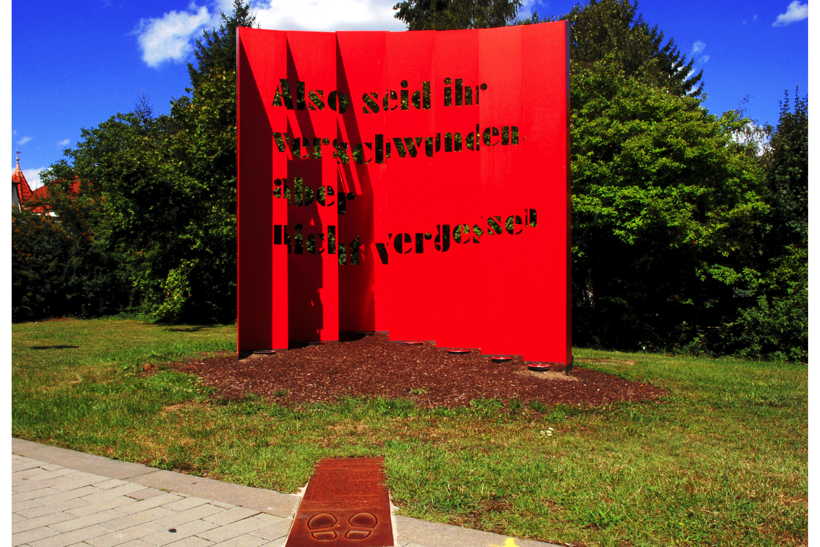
(62, 498)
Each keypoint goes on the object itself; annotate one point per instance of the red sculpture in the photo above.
(411, 182)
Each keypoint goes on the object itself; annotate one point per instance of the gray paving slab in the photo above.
(242, 541)
(230, 516)
(112, 503)
(133, 543)
(29, 486)
(52, 474)
(154, 501)
(88, 520)
(48, 509)
(191, 541)
(116, 504)
(123, 536)
(180, 532)
(110, 483)
(146, 493)
(39, 522)
(72, 484)
(57, 497)
(254, 498)
(17, 518)
(195, 513)
(274, 530)
(77, 536)
(19, 463)
(33, 494)
(127, 521)
(32, 535)
(78, 460)
(238, 528)
(226, 532)
(98, 494)
(185, 503)
(32, 472)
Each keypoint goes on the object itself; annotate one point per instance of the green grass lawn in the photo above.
(723, 460)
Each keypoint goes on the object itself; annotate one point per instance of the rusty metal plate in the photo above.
(345, 505)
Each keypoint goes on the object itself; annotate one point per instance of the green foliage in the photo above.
(665, 204)
(613, 30)
(158, 202)
(216, 50)
(165, 195)
(775, 324)
(787, 177)
(55, 270)
(456, 14)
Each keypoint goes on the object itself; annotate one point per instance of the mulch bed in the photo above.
(370, 366)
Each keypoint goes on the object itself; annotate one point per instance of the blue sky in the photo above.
(75, 64)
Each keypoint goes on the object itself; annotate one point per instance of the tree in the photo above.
(614, 29)
(55, 269)
(165, 201)
(216, 50)
(665, 205)
(456, 14)
(787, 176)
(775, 323)
(159, 192)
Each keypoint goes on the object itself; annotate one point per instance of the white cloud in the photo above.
(329, 15)
(704, 59)
(24, 140)
(169, 38)
(33, 177)
(795, 12)
(754, 18)
(698, 46)
(753, 134)
(63, 142)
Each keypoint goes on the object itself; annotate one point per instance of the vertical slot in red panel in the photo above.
(462, 280)
(362, 287)
(262, 304)
(413, 208)
(547, 334)
(313, 291)
(509, 188)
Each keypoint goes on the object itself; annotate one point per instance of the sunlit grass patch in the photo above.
(721, 460)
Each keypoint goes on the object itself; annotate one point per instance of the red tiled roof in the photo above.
(25, 195)
(20, 182)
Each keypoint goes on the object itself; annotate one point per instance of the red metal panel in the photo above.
(262, 320)
(547, 330)
(412, 206)
(526, 94)
(507, 190)
(363, 287)
(460, 287)
(313, 294)
(500, 162)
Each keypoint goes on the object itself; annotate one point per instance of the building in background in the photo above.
(22, 196)
(20, 190)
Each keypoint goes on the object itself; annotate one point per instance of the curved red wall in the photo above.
(440, 235)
